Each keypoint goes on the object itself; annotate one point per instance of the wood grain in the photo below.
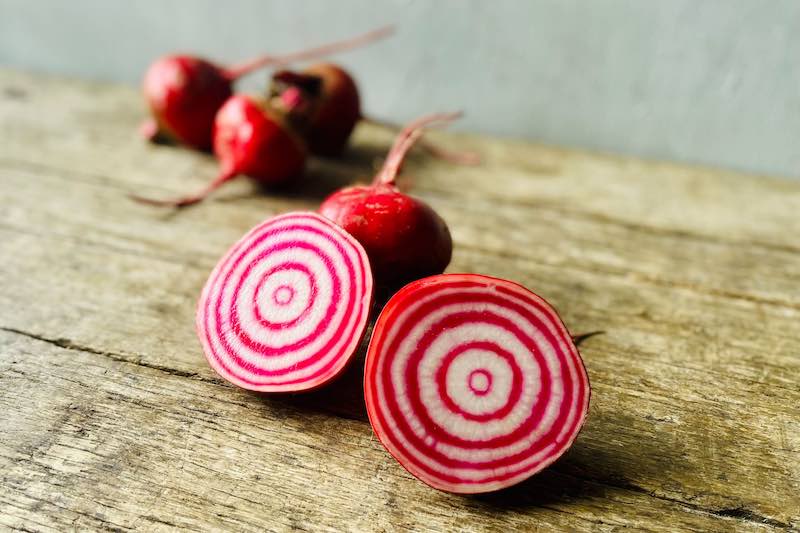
(114, 421)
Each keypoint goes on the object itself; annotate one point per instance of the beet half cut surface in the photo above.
(286, 308)
(473, 383)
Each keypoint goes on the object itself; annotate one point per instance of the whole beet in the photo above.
(337, 112)
(249, 139)
(184, 94)
(323, 104)
(405, 238)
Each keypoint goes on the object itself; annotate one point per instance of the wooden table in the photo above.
(112, 419)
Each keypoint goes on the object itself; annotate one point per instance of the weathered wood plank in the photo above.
(650, 377)
(115, 445)
(693, 274)
(678, 198)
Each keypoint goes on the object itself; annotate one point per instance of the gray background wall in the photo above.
(707, 81)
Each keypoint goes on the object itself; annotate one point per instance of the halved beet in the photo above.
(287, 306)
(473, 383)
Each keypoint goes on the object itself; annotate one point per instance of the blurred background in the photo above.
(714, 82)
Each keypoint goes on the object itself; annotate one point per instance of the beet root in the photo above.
(322, 102)
(184, 94)
(404, 237)
(248, 139)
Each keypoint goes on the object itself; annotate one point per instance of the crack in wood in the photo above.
(132, 252)
(67, 344)
(741, 512)
(746, 514)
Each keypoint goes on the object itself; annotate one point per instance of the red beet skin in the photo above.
(322, 102)
(184, 94)
(248, 139)
(337, 112)
(473, 383)
(404, 238)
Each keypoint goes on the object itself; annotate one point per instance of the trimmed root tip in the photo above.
(149, 130)
(176, 203)
(186, 201)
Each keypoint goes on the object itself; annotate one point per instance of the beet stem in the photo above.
(407, 137)
(452, 156)
(185, 201)
(243, 69)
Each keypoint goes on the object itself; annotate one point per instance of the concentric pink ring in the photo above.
(279, 300)
(452, 405)
(286, 266)
(480, 391)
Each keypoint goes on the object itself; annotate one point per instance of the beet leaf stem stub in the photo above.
(285, 309)
(407, 137)
(473, 383)
(281, 60)
(455, 157)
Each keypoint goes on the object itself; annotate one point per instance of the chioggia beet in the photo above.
(286, 307)
(249, 139)
(473, 383)
(184, 92)
(404, 237)
(323, 103)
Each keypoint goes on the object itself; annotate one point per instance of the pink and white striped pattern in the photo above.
(286, 307)
(473, 383)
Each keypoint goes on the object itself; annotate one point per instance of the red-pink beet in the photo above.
(473, 383)
(286, 307)
(249, 139)
(184, 92)
(323, 103)
(404, 238)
